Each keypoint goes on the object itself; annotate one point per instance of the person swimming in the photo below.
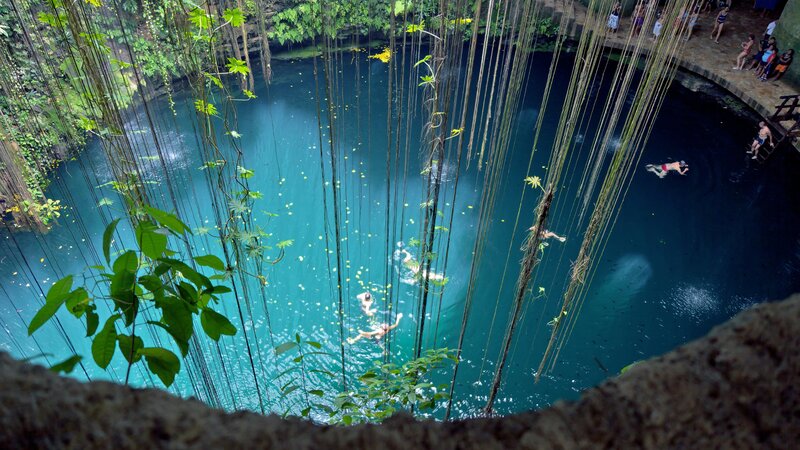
(377, 333)
(662, 170)
(414, 266)
(547, 234)
(366, 300)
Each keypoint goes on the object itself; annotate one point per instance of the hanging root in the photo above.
(529, 262)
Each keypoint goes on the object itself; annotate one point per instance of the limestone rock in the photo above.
(735, 388)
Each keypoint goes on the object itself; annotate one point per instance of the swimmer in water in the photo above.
(662, 170)
(547, 234)
(377, 333)
(366, 303)
(414, 266)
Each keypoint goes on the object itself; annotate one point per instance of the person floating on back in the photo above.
(377, 333)
(763, 134)
(662, 170)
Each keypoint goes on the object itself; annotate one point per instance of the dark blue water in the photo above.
(685, 254)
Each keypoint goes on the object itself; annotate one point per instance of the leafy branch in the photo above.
(144, 277)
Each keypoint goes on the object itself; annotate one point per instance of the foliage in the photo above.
(305, 20)
(143, 278)
(387, 388)
(385, 56)
(47, 211)
(534, 182)
(382, 390)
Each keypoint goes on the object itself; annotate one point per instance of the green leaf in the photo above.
(234, 16)
(105, 343)
(151, 242)
(168, 220)
(211, 261)
(130, 350)
(182, 345)
(221, 290)
(123, 283)
(177, 316)
(316, 392)
(244, 173)
(206, 108)
(126, 262)
(49, 19)
(77, 301)
(215, 324)
(534, 182)
(237, 66)
(415, 28)
(54, 299)
(67, 365)
(200, 18)
(284, 244)
(187, 293)
(92, 321)
(314, 344)
(107, 236)
(213, 79)
(152, 283)
(190, 274)
(285, 347)
(423, 60)
(162, 362)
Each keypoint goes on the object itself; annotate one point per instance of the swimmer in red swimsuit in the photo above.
(662, 170)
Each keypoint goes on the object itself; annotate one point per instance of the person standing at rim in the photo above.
(746, 47)
(763, 134)
(720, 23)
(613, 18)
(770, 29)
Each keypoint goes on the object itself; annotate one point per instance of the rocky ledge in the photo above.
(738, 387)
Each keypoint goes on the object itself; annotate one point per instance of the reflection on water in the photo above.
(628, 276)
(692, 302)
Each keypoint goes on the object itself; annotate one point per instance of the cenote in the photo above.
(682, 253)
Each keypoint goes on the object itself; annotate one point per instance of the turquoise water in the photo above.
(686, 252)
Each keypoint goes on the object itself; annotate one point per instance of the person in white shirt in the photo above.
(770, 29)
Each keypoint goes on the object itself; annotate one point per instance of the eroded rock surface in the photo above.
(735, 388)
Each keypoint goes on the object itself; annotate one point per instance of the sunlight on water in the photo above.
(692, 302)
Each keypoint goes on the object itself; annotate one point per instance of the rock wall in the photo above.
(788, 35)
(739, 387)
